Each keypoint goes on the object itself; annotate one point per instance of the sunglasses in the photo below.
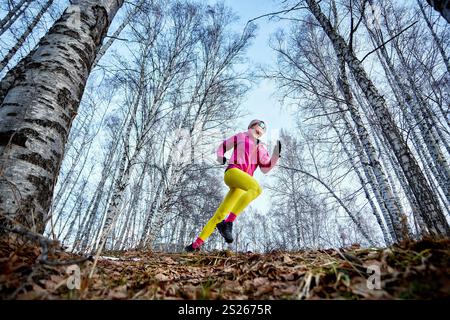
(262, 125)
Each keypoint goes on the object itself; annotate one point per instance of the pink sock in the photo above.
(197, 243)
(231, 217)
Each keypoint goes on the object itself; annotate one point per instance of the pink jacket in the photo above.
(248, 154)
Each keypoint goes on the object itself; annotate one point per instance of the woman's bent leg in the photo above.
(227, 204)
(238, 179)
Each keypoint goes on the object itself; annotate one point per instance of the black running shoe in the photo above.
(226, 230)
(190, 248)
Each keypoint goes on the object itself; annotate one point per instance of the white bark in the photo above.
(135, 198)
(405, 227)
(442, 6)
(125, 167)
(409, 109)
(429, 208)
(362, 181)
(436, 39)
(101, 52)
(39, 100)
(387, 194)
(84, 232)
(25, 35)
(12, 16)
(424, 119)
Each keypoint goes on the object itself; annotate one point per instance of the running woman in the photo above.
(249, 154)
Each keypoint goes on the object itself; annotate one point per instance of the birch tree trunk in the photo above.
(387, 194)
(135, 197)
(409, 110)
(362, 181)
(430, 173)
(404, 184)
(12, 16)
(425, 120)
(429, 207)
(442, 6)
(125, 165)
(11, 13)
(101, 52)
(39, 100)
(25, 35)
(436, 39)
(149, 213)
(404, 226)
(374, 173)
(91, 243)
(370, 176)
(155, 219)
(84, 232)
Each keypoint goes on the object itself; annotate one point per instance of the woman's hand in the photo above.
(277, 148)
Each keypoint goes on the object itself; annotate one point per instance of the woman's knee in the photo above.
(259, 190)
(256, 190)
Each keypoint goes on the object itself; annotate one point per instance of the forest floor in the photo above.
(412, 270)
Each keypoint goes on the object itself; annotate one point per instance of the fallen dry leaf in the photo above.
(286, 259)
(161, 277)
(414, 270)
(119, 293)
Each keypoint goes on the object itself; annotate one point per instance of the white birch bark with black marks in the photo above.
(430, 172)
(437, 41)
(374, 173)
(370, 176)
(131, 211)
(405, 227)
(101, 52)
(425, 120)
(13, 15)
(406, 189)
(149, 213)
(420, 110)
(84, 232)
(19, 43)
(127, 161)
(362, 181)
(386, 191)
(100, 216)
(404, 100)
(430, 209)
(39, 100)
(442, 6)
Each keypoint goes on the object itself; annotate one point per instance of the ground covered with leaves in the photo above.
(413, 270)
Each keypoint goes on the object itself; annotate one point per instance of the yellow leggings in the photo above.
(243, 190)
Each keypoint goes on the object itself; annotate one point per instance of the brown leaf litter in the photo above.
(412, 270)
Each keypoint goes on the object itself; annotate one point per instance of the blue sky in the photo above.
(261, 101)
